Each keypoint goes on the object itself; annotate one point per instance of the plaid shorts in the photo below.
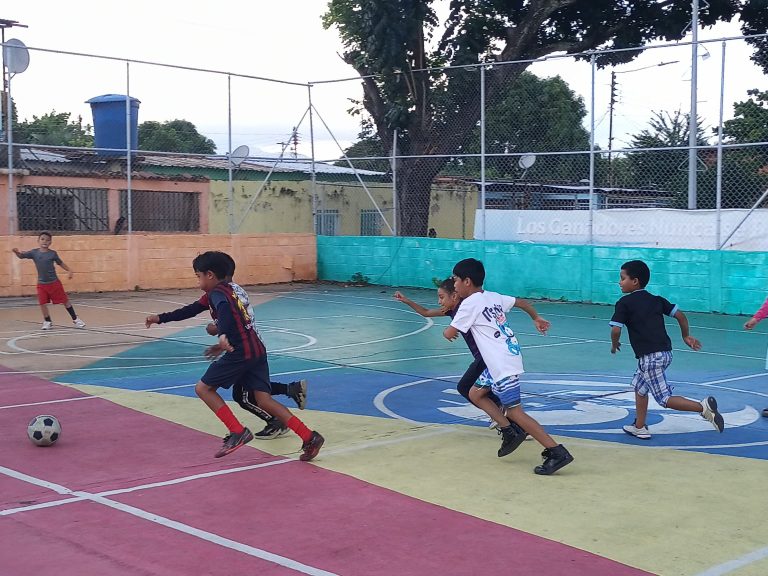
(650, 376)
(507, 389)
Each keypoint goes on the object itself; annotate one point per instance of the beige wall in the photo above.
(286, 206)
(113, 186)
(113, 263)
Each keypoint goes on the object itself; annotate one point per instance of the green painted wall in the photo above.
(697, 280)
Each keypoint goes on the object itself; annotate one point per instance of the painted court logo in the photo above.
(594, 407)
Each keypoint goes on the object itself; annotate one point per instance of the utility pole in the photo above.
(610, 127)
(693, 118)
(612, 108)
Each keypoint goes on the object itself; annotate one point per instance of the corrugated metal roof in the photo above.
(254, 164)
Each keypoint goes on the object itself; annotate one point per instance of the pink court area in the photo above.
(126, 493)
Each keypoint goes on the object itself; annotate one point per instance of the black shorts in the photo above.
(252, 375)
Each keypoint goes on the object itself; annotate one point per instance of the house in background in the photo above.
(76, 190)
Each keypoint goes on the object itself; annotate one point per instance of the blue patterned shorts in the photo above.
(507, 389)
(650, 376)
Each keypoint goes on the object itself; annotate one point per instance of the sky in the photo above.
(285, 40)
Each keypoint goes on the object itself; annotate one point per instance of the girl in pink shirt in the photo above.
(751, 323)
(759, 315)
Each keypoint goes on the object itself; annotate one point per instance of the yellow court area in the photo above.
(380, 394)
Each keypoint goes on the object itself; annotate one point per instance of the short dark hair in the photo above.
(230, 263)
(448, 286)
(215, 262)
(639, 270)
(45, 233)
(472, 269)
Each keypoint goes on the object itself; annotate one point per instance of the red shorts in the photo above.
(53, 292)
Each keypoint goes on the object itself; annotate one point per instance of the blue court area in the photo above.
(365, 353)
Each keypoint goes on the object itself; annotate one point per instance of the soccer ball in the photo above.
(44, 430)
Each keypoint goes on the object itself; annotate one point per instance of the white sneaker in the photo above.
(641, 433)
(709, 412)
(78, 323)
(47, 325)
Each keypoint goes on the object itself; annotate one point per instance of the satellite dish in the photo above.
(526, 161)
(239, 154)
(15, 56)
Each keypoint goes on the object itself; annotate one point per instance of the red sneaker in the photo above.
(311, 447)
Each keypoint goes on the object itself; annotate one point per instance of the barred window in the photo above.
(153, 211)
(327, 222)
(62, 209)
(370, 223)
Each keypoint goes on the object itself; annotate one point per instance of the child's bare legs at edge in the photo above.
(673, 402)
(531, 426)
(209, 396)
(479, 397)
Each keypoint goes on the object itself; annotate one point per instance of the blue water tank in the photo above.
(109, 123)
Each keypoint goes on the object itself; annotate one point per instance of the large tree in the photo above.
(174, 136)
(532, 115)
(397, 47)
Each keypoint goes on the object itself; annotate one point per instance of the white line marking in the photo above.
(10, 511)
(172, 524)
(740, 562)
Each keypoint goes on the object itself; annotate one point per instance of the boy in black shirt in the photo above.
(244, 362)
(643, 315)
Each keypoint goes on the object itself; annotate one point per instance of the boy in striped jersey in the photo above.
(244, 361)
(297, 391)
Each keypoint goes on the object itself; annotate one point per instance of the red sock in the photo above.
(230, 420)
(298, 426)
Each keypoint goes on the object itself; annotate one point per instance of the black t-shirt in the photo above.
(643, 315)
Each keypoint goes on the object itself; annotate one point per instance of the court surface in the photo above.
(408, 482)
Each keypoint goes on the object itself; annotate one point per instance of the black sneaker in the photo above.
(297, 391)
(765, 413)
(273, 429)
(554, 459)
(511, 438)
(234, 441)
(311, 447)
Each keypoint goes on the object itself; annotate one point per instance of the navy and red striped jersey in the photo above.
(233, 319)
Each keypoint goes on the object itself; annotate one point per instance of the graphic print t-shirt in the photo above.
(484, 315)
(468, 338)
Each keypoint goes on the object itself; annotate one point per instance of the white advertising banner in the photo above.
(641, 227)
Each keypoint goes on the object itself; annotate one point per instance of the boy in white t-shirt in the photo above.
(483, 314)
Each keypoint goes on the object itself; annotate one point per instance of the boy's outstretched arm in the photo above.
(188, 311)
(19, 254)
(615, 335)
(687, 338)
(451, 333)
(418, 308)
(541, 324)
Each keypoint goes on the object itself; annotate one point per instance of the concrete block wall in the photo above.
(698, 280)
(115, 263)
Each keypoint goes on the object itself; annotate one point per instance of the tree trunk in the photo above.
(414, 193)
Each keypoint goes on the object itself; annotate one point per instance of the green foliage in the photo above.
(54, 129)
(744, 169)
(174, 136)
(436, 111)
(532, 115)
(664, 170)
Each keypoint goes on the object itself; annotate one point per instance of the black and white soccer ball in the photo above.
(44, 430)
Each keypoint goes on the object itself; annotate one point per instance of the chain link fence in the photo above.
(556, 150)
